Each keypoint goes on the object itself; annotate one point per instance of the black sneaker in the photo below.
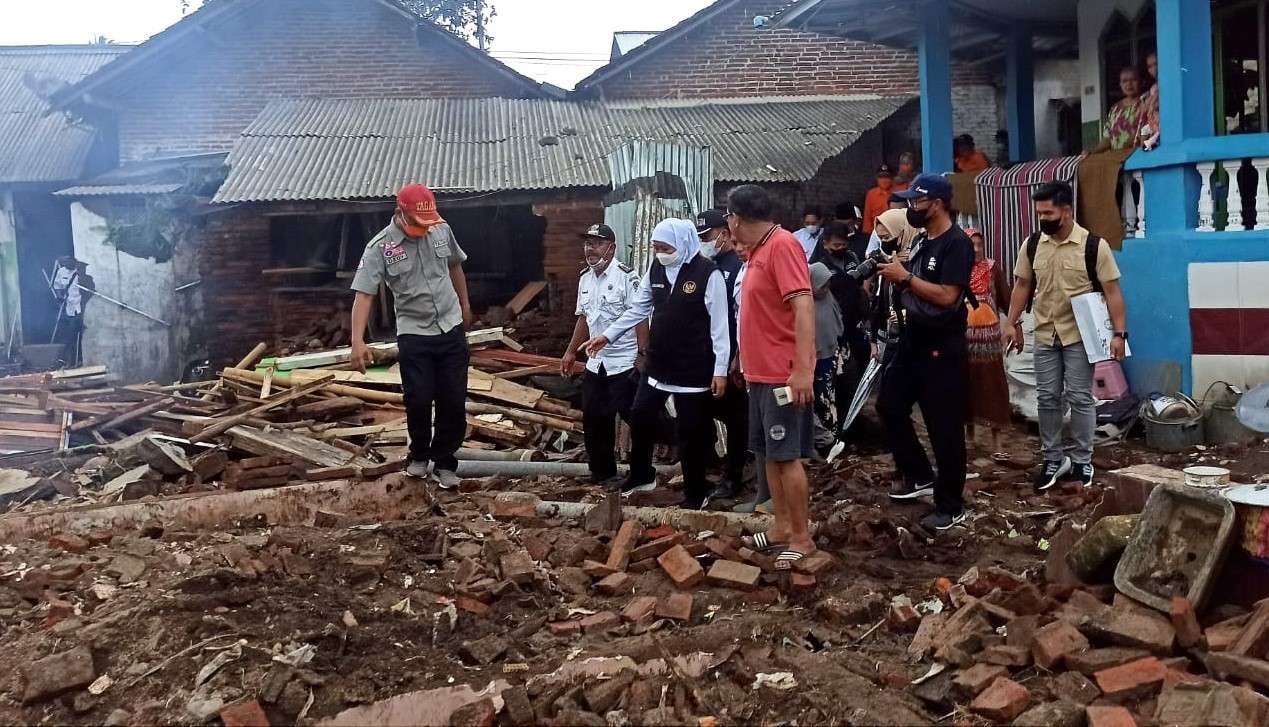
(941, 520)
(903, 491)
(1050, 472)
(1084, 473)
(631, 485)
(726, 489)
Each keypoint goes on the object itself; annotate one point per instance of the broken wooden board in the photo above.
(491, 387)
(526, 295)
(221, 424)
(522, 359)
(293, 447)
(343, 355)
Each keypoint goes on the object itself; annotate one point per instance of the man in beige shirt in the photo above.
(1056, 275)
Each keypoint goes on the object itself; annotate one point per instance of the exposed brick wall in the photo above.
(728, 57)
(203, 93)
(232, 248)
(561, 252)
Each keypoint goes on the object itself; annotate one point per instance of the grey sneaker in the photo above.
(446, 479)
(419, 469)
(1050, 473)
(902, 490)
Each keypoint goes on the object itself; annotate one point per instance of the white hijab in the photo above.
(682, 236)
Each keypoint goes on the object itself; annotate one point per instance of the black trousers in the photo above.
(694, 432)
(934, 378)
(434, 372)
(603, 398)
(848, 381)
(733, 411)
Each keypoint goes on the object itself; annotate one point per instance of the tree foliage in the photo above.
(460, 17)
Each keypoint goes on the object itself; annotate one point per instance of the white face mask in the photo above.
(709, 250)
(668, 259)
(812, 229)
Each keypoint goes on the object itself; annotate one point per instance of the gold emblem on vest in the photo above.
(689, 287)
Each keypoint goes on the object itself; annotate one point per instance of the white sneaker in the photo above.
(446, 479)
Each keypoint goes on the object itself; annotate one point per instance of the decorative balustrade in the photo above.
(1221, 188)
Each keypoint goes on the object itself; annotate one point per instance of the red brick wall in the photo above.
(200, 96)
(232, 248)
(561, 250)
(728, 57)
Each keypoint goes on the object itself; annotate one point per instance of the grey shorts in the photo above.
(778, 433)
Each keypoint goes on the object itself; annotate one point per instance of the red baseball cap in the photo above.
(419, 203)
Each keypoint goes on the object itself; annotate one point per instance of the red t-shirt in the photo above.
(776, 273)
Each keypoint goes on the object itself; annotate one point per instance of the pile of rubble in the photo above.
(264, 422)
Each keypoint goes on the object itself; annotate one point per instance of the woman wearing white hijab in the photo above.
(689, 348)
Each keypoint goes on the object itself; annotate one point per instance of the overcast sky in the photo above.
(559, 41)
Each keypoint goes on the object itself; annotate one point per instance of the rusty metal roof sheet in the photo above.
(36, 145)
(311, 149)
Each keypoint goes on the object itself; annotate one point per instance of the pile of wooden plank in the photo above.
(268, 421)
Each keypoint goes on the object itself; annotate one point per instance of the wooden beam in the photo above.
(526, 295)
(226, 423)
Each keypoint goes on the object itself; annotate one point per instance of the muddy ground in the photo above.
(311, 621)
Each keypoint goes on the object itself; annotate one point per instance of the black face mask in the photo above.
(838, 253)
(1050, 227)
(918, 218)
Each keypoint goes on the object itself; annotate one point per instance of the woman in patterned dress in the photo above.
(988, 390)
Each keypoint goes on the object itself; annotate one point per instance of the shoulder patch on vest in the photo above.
(624, 268)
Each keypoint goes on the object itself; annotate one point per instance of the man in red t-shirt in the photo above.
(777, 356)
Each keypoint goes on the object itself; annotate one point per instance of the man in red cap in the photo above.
(418, 258)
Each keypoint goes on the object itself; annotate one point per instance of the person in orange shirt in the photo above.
(906, 173)
(969, 159)
(878, 198)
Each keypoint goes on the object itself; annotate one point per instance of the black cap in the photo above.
(601, 231)
(884, 171)
(710, 220)
(934, 186)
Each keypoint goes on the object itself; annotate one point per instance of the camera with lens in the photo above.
(868, 268)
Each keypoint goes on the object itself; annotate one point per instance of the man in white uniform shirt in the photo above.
(606, 289)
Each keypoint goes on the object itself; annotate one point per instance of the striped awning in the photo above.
(1005, 211)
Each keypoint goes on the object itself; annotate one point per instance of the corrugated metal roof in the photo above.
(36, 146)
(309, 149)
(191, 173)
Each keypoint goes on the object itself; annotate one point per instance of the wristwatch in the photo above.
(1121, 334)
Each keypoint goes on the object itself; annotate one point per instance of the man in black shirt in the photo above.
(733, 408)
(928, 364)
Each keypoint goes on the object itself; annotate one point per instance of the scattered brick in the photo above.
(958, 596)
(517, 567)
(979, 582)
(721, 549)
(1131, 680)
(1002, 701)
(1054, 642)
(1109, 716)
(801, 581)
(902, 616)
(1135, 627)
(1021, 631)
(681, 567)
(928, 630)
(1188, 632)
(1227, 665)
(656, 547)
(537, 548)
(970, 682)
(622, 543)
(816, 563)
(244, 714)
(1221, 636)
(69, 542)
(601, 621)
(1007, 655)
(57, 673)
(1026, 601)
(1212, 704)
(480, 713)
(763, 561)
(677, 606)
(517, 710)
(660, 531)
(642, 566)
(595, 569)
(1052, 714)
(564, 628)
(483, 651)
(1074, 687)
(617, 584)
(640, 609)
(1092, 661)
(731, 574)
(763, 596)
(1254, 638)
(472, 606)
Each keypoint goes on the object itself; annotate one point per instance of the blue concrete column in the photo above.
(1020, 94)
(935, 63)
(1185, 70)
